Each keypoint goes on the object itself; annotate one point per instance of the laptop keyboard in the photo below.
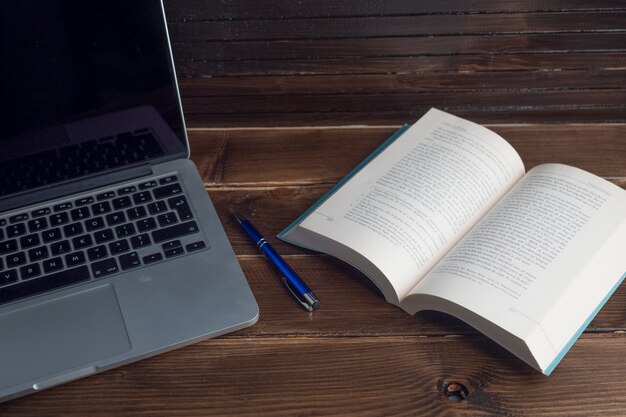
(95, 236)
(72, 161)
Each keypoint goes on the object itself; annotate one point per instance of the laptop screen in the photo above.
(86, 87)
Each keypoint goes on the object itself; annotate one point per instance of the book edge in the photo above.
(548, 370)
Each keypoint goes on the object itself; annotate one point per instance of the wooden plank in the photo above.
(274, 157)
(401, 46)
(378, 26)
(512, 82)
(404, 102)
(405, 65)
(365, 376)
(281, 9)
(539, 114)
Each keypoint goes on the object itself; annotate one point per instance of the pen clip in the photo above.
(296, 295)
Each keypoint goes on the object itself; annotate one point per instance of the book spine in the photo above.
(345, 179)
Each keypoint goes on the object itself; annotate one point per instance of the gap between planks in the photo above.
(378, 127)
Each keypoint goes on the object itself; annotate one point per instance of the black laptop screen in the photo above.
(86, 87)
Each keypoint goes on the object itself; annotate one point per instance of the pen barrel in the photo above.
(280, 263)
(253, 233)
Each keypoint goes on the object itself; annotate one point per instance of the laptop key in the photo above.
(170, 245)
(130, 260)
(16, 230)
(75, 258)
(29, 241)
(115, 218)
(41, 212)
(100, 208)
(104, 267)
(80, 213)
(125, 230)
(6, 277)
(58, 248)
(105, 196)
(51, 235)
(142, 197)
(95, 223)
(167, 219)
(18, 218)
(43, 284)
(36, 225)
(121, 202)
(84, 200)
(97, 252)
(157, 207)
(167, 191)
(175, 231)
(8, 246)
(195, 246)
(36, 254)
(82, 241)
(167, 180)
(119, 246)
(16, 259)
(148, 184)
(174, 252)
(140, 241)
(30, 271)
(59, 218)
(127, 190)
(104, 235)
(136, 213)
(179, 203)
(53, 264)
(73, 229)
(146, 224)
(63, 206)
(152, 258)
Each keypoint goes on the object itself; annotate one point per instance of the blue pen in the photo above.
(292, 281)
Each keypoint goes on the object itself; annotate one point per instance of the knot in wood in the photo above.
(455, 391)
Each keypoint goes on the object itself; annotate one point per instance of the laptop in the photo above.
(110, 249)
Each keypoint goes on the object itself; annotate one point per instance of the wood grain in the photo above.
(303, 156)
(355, 27)
(335, 63)
(190, 10)
(365, 376)
(526, 61)
(403, 46)
(541, 114)
(406, 83)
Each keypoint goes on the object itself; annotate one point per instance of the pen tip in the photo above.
(238, 217)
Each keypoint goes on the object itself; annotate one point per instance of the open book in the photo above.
(442, 217)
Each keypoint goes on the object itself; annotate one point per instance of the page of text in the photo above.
(409, 205)
(530, 250)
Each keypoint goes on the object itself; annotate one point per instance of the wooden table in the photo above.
(299, 93)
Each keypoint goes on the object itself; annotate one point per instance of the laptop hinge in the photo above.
(84, 184)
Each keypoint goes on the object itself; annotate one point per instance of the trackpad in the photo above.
(60, 335)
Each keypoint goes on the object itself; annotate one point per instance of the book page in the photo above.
(407, 207)
(538, 251)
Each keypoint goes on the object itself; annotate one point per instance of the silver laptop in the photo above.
(110, 250)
